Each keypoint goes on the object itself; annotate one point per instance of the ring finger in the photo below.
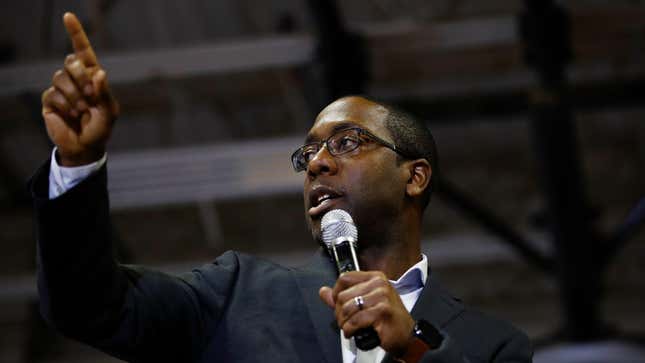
(66, 86)
(54, 99)
(354, 306)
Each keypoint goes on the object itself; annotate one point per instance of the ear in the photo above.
(420, 174)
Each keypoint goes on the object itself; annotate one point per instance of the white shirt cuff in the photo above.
(62, 179)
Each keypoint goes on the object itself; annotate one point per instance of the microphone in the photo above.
(340, 235)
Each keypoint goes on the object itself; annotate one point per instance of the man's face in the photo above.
(367, 182)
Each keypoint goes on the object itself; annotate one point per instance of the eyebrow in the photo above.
(343, 125)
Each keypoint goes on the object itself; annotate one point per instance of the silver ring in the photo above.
(359, 301)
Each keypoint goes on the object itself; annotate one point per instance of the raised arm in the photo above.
(130, 312)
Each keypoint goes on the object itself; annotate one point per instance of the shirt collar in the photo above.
(414, 278)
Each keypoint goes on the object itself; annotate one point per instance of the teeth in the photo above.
(322, 198)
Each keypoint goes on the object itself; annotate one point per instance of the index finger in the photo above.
(81, 44)
(351, 278)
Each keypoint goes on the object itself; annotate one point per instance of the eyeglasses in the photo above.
(339, 143)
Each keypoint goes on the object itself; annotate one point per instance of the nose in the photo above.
(322, 163)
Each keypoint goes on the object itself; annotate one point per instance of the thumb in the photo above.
(325, 294)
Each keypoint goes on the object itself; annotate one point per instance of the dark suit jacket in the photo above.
(236, 309)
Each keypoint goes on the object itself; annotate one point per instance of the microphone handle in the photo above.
(346, 260)
(366, 339)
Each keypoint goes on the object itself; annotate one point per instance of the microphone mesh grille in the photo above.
(337, 223)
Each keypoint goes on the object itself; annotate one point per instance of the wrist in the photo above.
(80, 159)
(424, 337)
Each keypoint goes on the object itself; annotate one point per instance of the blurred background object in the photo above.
(537, 109)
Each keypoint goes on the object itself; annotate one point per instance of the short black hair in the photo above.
(413, 138)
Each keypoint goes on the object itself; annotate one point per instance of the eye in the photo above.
(347, 143)
(308, 152)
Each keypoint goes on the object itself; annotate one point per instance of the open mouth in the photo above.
(321, 199)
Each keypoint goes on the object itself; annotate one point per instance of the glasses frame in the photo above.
(325, 143)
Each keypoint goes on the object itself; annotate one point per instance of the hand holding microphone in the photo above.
(340, 235)
(366, 305)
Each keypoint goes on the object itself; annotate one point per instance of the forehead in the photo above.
(350, 111)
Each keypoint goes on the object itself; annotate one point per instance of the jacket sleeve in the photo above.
(133, 313)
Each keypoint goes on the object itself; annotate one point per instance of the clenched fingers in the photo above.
(349, 279)
(355, 283)
(57, 108)
(64, 84)
(371, 294)
(80, 74)
(54, 101)
(367, 317)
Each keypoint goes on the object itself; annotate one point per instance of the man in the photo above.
(359, 156)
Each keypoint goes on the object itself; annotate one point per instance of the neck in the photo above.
(400, 250)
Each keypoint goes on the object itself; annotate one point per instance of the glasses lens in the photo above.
(344, 141)
(303, 156)
(296, 160)
(309, 151)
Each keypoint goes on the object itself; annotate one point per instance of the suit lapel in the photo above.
(321, 272)
(434, 305)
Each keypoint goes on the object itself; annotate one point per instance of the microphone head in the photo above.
(337, 225)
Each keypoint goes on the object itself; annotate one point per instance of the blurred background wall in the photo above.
(537, 109)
